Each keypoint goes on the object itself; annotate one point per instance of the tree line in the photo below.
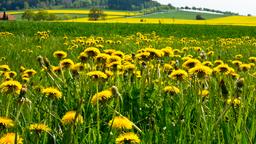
(106, 4)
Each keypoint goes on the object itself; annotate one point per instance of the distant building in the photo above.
(8, 16)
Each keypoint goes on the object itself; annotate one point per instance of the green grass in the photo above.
(60, 16)
(176, 14)
(159, 117)
(87, 29)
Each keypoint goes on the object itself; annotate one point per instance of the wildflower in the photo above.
(172, 90)
(239, 56)
(102, 58)
(11, 86)
(102, 96)
(234, 102)
(236, 62)
(200, 71)
(6, 122)
(129, 137)
(39, 127)
(56, 69)
(129, 67)
(252, 59)
(218, 62)
(109, 51)
(4, 68)
(92, 51)
(203, 93)
(97, 75)
(207, 63)
(9, 138)
(52, 92)
(71, 117)
(78, 67)
(112, 59)
(178, 74)
(167, 51)
(142, 56)
(244, 67)
(10, 74)
(66, 63)
(120, 122)
(168, 67)
(83, 56)
(190, 63)
(210, 53)
(118, 53)
(60, 54)
(222, 68)
(29, 72)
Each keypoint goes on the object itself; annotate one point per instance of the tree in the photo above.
(199, 17)
(28, 14)
(41, 15)
(5, 16)
(96, 14)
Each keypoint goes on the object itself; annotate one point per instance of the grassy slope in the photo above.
(181, 15)
(78, 29)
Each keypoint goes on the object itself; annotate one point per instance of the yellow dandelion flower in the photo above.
(120, 122)
(200, 71)
(78, 67)
(6, 122)
(109, 73)
(172, 90)
(11, 86)
(178, 74)
(129, 137)
(222, 68)
(114, 58)
(234, 102)
(60, 54)
(252, 59)
(83, 57)
(9, 138)
(244, 67)
(66, 63)
(71, 117)
(4, 68)
(97, 74)
(239, 56)
(168, 67)
(207, 63)
(109, 51)
(56, 69)
(10, 74)
(203, 93)
(190, 63)
(118, 53)
(92, 51)
(210, 53)
(39, 127)
(102, 96)
(142, 56)
(102, 58)
(218, 62)
(30, 72)
(52, 92)
(129, 67)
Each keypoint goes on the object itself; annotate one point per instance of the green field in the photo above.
(176, 14)
(127, 83)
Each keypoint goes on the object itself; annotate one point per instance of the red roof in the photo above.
(10, 17)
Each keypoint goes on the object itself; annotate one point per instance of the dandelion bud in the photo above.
(47, 62)
(115, 90)
(40, 59)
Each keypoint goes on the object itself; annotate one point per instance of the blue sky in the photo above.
(241, 6)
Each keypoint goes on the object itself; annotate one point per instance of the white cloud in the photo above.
(240, 6)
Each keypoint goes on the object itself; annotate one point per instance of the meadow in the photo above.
(116, 83)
